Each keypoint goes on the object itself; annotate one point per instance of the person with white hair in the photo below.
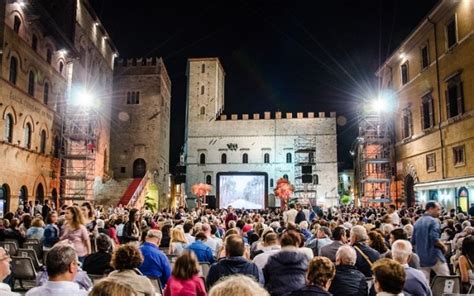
(238, 285)
(304, 229)
(348, 280)
(415, 280)
(366, 256)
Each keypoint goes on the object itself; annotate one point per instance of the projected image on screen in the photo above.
(242, 191)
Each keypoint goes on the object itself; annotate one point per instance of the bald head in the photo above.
(346, 255)
(401, 251)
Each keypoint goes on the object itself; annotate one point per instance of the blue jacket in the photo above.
(202, 251)
(155, 263)
(230, 266)
(415, 283)
(285, 272)
(426, 232)
(50, 235)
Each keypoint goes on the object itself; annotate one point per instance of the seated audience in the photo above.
(126, 260)
(285, 271)
(185, 280)
(155, 264)
(178, 241)
(107, 287)
(271, 246)
(51, 232)
(466, 262)
(377, 241)
(339, 239)
(62, 265)
(238, 285)
(99, 263)
(366, 256)
(397, 234)
(389, 277)
(321, 271)
(203, 252)
(348, 280)
(36, 230)
(234, 263)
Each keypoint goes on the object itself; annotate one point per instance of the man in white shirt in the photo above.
(5, 260)
(271, 247)
(211, 241)
(62, 266)
(289, 216)
(392, 213)
(188, 232)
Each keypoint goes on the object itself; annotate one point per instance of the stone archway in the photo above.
(139, 168)
(39, 196)
(409, 181)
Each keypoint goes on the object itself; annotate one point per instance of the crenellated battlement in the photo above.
(276, 115)
(138, 62)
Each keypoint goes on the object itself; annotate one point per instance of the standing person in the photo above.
(51, 232)
(470, 211)
(300, 216)
(5, 260)
(185, 280)
(290, 215)
(88, 213)
(38, 208)
(427, 243)
(231, 216)
(131, 229)
(75, 231)
(46, 209)
(393, 215)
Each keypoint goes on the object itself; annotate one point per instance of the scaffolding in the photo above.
(305, 159)
(374, 159)
(79, 142)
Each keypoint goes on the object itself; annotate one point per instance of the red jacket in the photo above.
(191, 287)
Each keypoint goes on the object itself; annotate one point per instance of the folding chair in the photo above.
(34, 246)
(30, 253)
(22, 269)
(442, 285)
(10, 246)
(157, 284)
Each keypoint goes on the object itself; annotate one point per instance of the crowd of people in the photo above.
(337, 251)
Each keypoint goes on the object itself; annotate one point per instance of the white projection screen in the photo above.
(242, 190)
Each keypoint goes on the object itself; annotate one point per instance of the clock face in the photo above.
(123, 116)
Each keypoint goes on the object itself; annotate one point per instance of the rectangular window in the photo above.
(407, 123)
(427, 114)
(122, 170)
(431, 162)
(458, 156)
(454, 97)
(425, 60)
(404, 70)
(451, 34)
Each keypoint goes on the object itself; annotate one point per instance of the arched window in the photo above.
(61, 67)
(49, 55)
(288, 157)
(31, 83)
(266, 158)
(202, 158)
(245, 158)
(203, 110)
(129, 98)
(315, 179)
(43, 142)
(203, 68)
(28, 136)
(16, 24)
(13, 70)
(223, 158)
(202, 89)
(57, 146)
(46, 93)
(34, 42)
(285, 176)
(137, 97)
(208, 179)
(9, 128)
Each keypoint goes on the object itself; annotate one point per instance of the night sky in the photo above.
(289, 56)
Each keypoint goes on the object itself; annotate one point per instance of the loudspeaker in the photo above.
(180, 169)
(179, 179)
(211, 202)
(307, 179)
(306, 169)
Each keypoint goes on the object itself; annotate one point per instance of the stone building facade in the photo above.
(432, 75)
(140, 136)
(38, 58)
(216, 143)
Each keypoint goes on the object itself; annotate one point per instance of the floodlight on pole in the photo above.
(81, 97)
